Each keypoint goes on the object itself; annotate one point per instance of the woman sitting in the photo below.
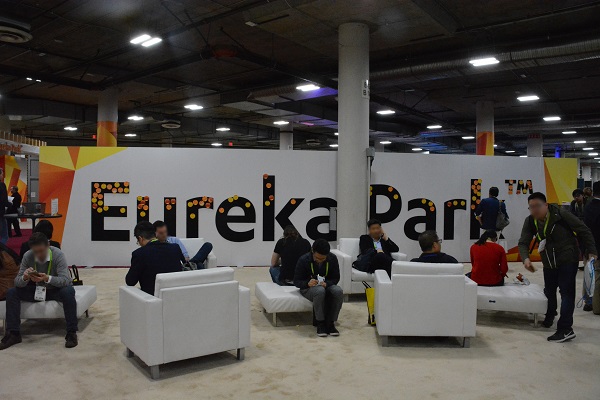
(287, 252)
(488, 260)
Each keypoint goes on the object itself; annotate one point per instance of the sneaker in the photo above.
(71, 340)
(10, 339)
(332, 330)
(547, 323)
(322, 330)
(588, 307)
(562, 336)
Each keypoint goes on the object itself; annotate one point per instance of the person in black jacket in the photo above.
(376, 250)
(317, 275)
(14, 209)
(431, 245)
(152, 258)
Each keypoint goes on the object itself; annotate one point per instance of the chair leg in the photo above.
(129, 353)
(241, 354)
(535, 320)
(385, 341)
(87, 313)
(466, 342)
(154, 372)
(4, 326)
(346, 298)
(275, 319)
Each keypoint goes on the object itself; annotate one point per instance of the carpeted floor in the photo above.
(15, 242)
(509, 359)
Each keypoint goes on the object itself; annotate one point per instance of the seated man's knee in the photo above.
(208, 246)
(11, 293)
(318, 290)
(335, 290)
(67, 292)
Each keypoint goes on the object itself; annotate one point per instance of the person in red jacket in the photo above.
(488, 261)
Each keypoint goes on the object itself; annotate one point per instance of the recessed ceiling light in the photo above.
(38, 80)
(509, 151)
(523, 156)
(29, 79)
(495, 145)
(337, 134)
(552, 118)
(135, 118)
(385, 142)
(569, 132)
(334, 145)
(480, 62)
(596, 158)
(592, 154)
(579, 142)
(140, 39)
(216, 144)
(281, 122)
(531, 97)
(386, 112)
(588, 148)
(468, 137)
(417, 149)
(152, 42)
(130, 134)
(434, 127)
(193, 107)
(307, 88)
(223, 129)
(70, 128)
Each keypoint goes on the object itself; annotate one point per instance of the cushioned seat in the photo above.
(360, 276)
(85, 296)
(277, 299)
(513, 298)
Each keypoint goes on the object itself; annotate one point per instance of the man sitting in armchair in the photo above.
(376, 250)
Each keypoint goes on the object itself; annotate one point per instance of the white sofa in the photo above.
(425, 300)
(513, 298)
(192, 245)
(351, 278)
(85, 296)
(281, 299)
(192, 314)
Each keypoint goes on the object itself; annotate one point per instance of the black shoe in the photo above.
(562, 336)
(548, 323)
(332, 330)
(10, 339)
(588, 307)
(322, 330)
(71, 340)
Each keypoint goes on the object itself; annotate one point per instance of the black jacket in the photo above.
(366, 244)
(591, 217)
(304, 272)
(152, 259)
(3, 199)
(16, 203)
(435, 258)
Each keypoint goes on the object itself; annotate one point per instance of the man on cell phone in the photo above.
(44, 275)
(376, 250)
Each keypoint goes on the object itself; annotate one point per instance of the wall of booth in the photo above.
(241, 199)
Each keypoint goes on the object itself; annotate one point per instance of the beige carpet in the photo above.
(509, 359)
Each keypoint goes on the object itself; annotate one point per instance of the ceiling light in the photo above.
(216, 144)
(523, 156)
(152, 42)
(588, 148)
(193, 107)
(140, 39)
(495, 145)
(223, 129)
(337, 134)
(531, 97)
(386, 112)
(130, 134)
(596, 158)
(480, 62)
(417, 149)
(592, 154)
(509, 151)
(281, 122)
(135, 118)
(308, 88)
(385, 142)
(334, 145)
(552, 118)
(468, 137)
(569, 132)
(434, 127)
(38, 80)
(579, 142)
(29, 79)
(70, 128)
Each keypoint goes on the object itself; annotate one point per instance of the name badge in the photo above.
(40, 293)
(542, 246)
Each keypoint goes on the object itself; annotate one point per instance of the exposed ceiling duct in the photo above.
(14, 31)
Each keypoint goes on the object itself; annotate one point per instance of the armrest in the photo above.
(141, 324)
(399, 256)
(383, 302)
(470, 308)
(211, 260)
(345, 262)
(244, 323)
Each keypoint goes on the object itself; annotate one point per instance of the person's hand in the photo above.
(324, 284)
(26, 276)
(313, 282)
(379, 251)
(528, 265)
(384, 235)
(187, 259)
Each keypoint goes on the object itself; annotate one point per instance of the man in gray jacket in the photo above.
(44, 275)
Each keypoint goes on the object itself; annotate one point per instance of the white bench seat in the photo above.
(513, 298)
(278, 299)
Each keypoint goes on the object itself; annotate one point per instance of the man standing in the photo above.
(431, 246)
(556, 229)
(3, 204)
(152, 258)
(162, 234)
(578, 204)
(591, 217)
(44, 275)
(14, 209)
(317, 275)
(376, 250)
(487, 211)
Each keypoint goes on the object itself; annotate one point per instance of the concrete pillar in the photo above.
(379, 148)
(595, 174)
(485, 128)
(286, 138)
(108, 118)
(586, 172)
(353, 121)
(535, 145)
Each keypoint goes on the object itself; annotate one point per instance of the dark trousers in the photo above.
(14, 297)
(13, 222)
(327, 302)
(562, 278)
(202, 255)
(381, 261)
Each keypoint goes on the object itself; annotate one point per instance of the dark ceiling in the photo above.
(242, 61)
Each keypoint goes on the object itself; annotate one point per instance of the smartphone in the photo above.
(34, 273)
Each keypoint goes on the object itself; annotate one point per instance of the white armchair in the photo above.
(192, 314)
(351, 278)
(192, 245)
(425, 300)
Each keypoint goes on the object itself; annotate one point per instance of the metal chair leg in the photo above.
(154, 372)
(129, 353)
(535, 320)
(466, 342)
(275, 319)
(385, 341)
(87, 313)
(241, 354)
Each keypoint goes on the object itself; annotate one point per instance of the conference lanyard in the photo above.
(49, 263)
(312, 268)
(545, 227)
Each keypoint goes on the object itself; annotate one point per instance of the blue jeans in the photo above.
(3, 231)
(14, 297)
(275, 272)
(202, 255)
(562, 278)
